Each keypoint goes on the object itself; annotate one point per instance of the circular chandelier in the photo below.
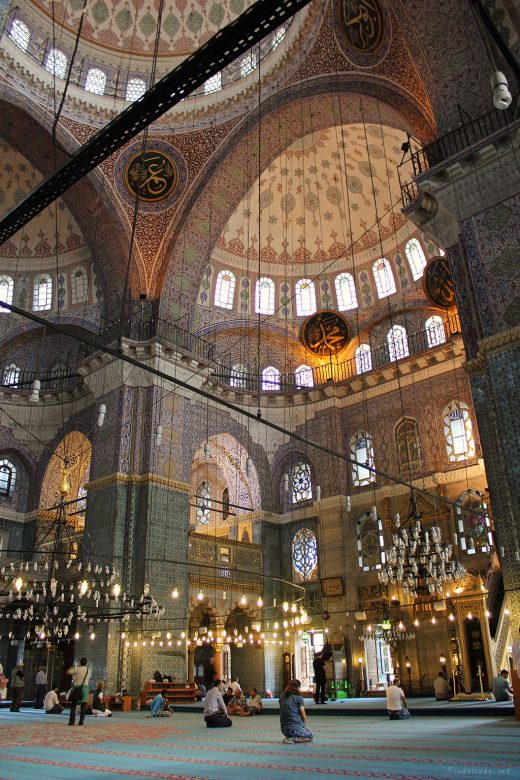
(419, 559)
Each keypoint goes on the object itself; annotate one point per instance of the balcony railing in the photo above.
(49, 380)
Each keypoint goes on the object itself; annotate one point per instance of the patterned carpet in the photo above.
(33, 745)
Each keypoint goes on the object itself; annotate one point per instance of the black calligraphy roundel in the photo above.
(362, 23)
(151, 174)
(324, 334)
(438, 283)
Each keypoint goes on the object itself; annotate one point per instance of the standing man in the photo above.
(215, 710)
(17, 685)
(396, 701)
(41, 688)
(321, 678)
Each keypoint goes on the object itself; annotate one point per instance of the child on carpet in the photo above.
(292, 715)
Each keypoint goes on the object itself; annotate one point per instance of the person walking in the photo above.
(321, 679)
(41, 688)
(17, 686)
(293, 719)
(79, 691)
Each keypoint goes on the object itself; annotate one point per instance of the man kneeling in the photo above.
(396, 701)
(215, 711)
(51, 703)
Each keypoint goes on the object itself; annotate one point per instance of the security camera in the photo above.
(501, 94)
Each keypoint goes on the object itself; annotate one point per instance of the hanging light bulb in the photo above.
(207, 452)
(175, 593)
(83, 587)
(374, 512)
(249, 466)
(243, 600)
(259, 602)
(116, 590)
(285, 606)
(286, 482)
(101, 415)
(76, 635)
(318, 492)
(348, 503)
(92, 635)
(35, 392)
(158, 435)
(200, 595)
(18, 583)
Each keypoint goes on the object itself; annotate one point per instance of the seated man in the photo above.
(237, 705)
(396, 701)
(159, 706)
(441, 688)
(255, 703)
(99, 706)
(228, 695)
(502, 690)
(215, 711)
(51, 703)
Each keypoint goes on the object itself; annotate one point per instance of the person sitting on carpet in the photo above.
(396, 701)
(237, 705)
(502, 690)
(254, 706)
(293, 718)
(228, 695)
(51, 703)
(99, 706)
(159, 706)
(215, 710)
(441, 688)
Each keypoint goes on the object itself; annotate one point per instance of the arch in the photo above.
(193, 233)
(407, 441)
(345, 291)
(264, 296)
(237, 622)
(458, 432)
(363, 357)
(301, 481)
(7, 478)
(305, 296)
(383, 277)
(11, 375)
(304, 550)
(397, 342)
(416, 258)
(270, 379)
(6, 291)
(435, 331)
(56, 63)
(42, 293)
(20, 34)
(203, 503)
(74, 452)
(303, 377)
(224, 289)
(362, 451)
(96, 81)
(135, 88)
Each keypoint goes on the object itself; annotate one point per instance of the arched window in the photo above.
(225, 503)
(305, 297)
(11, 375)
(416, 258)
(270, 379)
(363, 359)
(362, 452)
(213, 84)
(397, 342)
(225, 289)
(7, 478)
(42, 293)
(264, 296)
(345, 292)
(301, 482)
(203, 504)
(435, 333)
(96, 81)
(303, 376)
(20, 34)
(473, 524)
(384, 277)
(56, 63)
(370, 542)
(305, 555)
(6, 292)
(237, 378)
(458, 431)
(79, 286)
(278, 37)
(135, 88)
(407, 440)
(248, 63)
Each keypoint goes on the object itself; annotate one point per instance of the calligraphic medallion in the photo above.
(362, 22)
(438, 283)
(157, 175)
(151, 174)
(324, 334)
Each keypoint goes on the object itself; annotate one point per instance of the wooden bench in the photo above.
(178, 692)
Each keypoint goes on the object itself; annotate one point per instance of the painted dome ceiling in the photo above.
(131, 25)
(322, 195)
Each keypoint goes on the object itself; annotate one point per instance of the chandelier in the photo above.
(419, 560)
(55, 591)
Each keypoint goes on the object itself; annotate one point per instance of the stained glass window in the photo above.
(42, 293)
(225, 289)
(345, 292)
(363, 359)
(96, 81)
(301, 482)
(305, 294)
(435, 332)
(264, 296)
(7, 478)
(56, 62)
(416, 258)
(203, 504)
(397, 342)
(270, 379)
(303, 376)
(11, 376)
(6, 292)
(473, 524)
(20, 34)
(384, 277)
(458, 431)
(407, 440)
(305, 555)
(362, 452)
